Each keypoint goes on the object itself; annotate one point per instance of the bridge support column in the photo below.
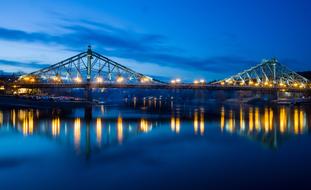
(88, 89)
(88, 93)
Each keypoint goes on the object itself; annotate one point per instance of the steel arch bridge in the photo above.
(86, 67)
(90, 69)
(269, 73)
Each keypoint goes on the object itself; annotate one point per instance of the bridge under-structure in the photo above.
(89, 70)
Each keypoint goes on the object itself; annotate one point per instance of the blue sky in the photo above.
(167, 38)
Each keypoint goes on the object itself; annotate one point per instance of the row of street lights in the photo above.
(264, 84)
(121, 79)
(178, 81)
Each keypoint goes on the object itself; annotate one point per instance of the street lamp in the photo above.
(78, 79)
(99, 79)
(120, 79)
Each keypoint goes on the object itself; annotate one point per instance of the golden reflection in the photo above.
(251, 120)
(25, 127)
(270, 119)
(77, 132)
(27, 122)
(30, 122)
(175, 124)
(172, 123)
(195, 122)
(283, 119)
(21, 114)
(302, 121)
(55, 126)
(230, 126)
(257, 119)
(120, 130)
(202, 122)
(13, 117)
(145, 126)
(266, 120)
(242, 121)
(296, 120)
(98, 130)
(222, 118)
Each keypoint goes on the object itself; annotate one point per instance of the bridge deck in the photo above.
(156, 86)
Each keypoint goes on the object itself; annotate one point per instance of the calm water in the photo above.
(155, 145)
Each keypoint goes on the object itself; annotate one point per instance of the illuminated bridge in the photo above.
(92, 70)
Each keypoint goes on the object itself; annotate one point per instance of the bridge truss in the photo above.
(269, 73)
(92, 70)
(87, 67)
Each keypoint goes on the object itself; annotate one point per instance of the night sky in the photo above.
(190, 39)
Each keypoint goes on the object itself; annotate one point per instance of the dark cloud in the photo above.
(34, 65)
(113, 41)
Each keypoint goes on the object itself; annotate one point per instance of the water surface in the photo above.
(153, 145)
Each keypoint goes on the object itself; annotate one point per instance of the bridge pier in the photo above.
(88, 113)
(88, 93)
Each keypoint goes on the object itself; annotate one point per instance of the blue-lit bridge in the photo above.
(92, 70)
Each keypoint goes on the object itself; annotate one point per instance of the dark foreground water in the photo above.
(151, 145)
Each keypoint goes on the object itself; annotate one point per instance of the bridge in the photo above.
(90, 69)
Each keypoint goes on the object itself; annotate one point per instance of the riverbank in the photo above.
(42, 101)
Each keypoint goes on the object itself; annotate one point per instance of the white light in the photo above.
(99, 79)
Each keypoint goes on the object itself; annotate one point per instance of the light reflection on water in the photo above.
(285, 120)
(112, 126)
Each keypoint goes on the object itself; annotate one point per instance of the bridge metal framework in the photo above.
(93, 70)
(86, 67)
(269, 73)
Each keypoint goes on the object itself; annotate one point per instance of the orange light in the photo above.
(145, 79)
(56, 79)
(120, 79)
(78, 79)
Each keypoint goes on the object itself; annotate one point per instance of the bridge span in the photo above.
(155, 86)
(91, 70)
